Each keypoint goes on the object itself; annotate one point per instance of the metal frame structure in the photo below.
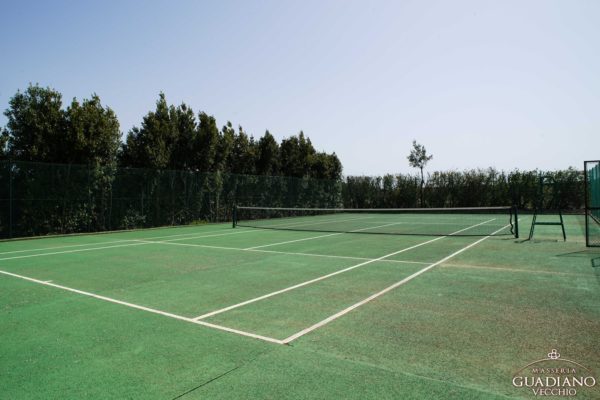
(539, 208)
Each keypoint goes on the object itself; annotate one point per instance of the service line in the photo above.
(320, 278)
(322, 236)
(382, 292)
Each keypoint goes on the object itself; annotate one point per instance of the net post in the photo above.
(516, 213)
(234, 216)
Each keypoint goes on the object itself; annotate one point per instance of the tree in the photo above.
(152, 145)
(3, 142)
(207, 143)
(297, 153)
(242, 156)
(326, 166)
(182, 156)
(36, 126)
(92, 133)
(39, 129)
(267, 160)
(225, 143)
(418, 158)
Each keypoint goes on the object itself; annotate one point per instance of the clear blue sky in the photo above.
(510, 84)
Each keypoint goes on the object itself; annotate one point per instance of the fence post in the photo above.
(10, 199)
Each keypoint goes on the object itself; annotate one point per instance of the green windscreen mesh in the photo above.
(592, 211)
(39, 198)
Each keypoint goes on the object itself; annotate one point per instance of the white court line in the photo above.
(65, 247)
(102, 243)
(289, 253)
(504, 269)
(137, 242)
(321, 236)
(73, 251)
(421, 223)
(150, 241)
(384, 291)
(291, 241)
(147, 238)
(320, 278)
(148, 309)
(302, 222)
(407, 262)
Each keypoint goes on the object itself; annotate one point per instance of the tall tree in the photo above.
(182, 156)
(243, 154)
(225, 144)
(152, 145)
(326, 166)
(418, 158)
(207, 142)
(267, 158)
(36, 126)
(92, 133)
(297, 153)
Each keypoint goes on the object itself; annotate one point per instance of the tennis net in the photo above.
(476, 221)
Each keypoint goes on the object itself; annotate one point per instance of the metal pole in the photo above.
(586, 204)
(516, 222)
(10, 199)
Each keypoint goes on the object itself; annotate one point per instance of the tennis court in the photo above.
(215, 312)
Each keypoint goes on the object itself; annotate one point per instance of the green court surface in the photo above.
(215, 312)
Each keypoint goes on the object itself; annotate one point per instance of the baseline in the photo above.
(147, 309)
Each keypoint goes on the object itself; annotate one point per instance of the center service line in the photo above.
(266, 296)
(322, 236)
(384, 291)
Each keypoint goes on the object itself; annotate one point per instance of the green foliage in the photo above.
(152, 144)
(242, 158)
(268, 159)
(36, 125)
(326, 166)
(43, 198)
(178, 167)
(182, 156)
(296, 154)
(92, 133)
(38, 129)
(470, 188)
(169, 137)
(207, 143)
(300, 159)
(3, 143)
(388, 191)
(58, 199)
(418, 157)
